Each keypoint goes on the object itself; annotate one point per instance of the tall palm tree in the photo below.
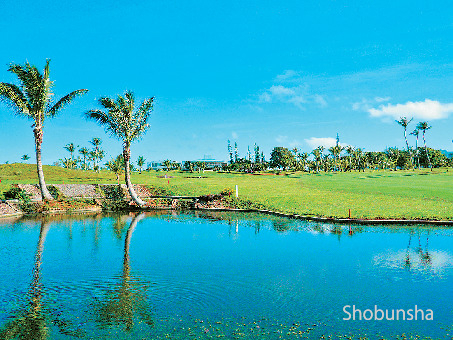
(423, 126)
(350, 152)
(415, 133)
(33, 99)
(404, 122)
(70, 148)
(84, 152)
(98, 153)
(127, 124)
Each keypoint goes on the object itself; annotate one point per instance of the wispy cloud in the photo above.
(285, 141)
(234, 135)
(282, 94)
(427, 110)
(296, 95)
(367, 104)
(288, 76)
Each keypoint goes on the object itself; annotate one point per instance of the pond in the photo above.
(202, 275)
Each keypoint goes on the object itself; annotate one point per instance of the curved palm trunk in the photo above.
(127, 176)
(42, 184)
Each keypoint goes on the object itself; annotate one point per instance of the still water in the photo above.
(220, 275)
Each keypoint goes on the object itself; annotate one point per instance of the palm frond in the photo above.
(65, 101)
(14, 97)
(107, 103)
(97, 115)
(33, 85)
(130, 100)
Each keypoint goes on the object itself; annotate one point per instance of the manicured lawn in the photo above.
(370, 194)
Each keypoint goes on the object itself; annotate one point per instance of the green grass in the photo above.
(373, 194)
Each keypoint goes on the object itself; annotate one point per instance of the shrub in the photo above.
(17, 194)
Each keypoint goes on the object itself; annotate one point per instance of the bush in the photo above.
(17, 194)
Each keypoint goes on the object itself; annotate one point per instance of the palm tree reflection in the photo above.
(32, 320)
(127, 298)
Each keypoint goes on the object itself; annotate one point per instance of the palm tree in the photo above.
(423, 126)
(404, 122)
(84, 152)
(116, 166)
(98, 153)
(350, 152)
(416, 133)
(167, 163)
(71, 148)
(33, 99)
(125, 123)
(25, 157)
(140, 162)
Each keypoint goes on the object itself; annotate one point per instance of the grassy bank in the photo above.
(373, 194)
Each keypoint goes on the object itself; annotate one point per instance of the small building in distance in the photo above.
(206, 163)
(156, 165)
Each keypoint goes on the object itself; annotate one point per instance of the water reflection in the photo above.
(33, 319)
(416, 257)
(269, 268)
(127, 299)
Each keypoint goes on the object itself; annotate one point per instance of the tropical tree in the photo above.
(281, 158)
(415, 133)
(141, 162)
(126, 123)
(85, 153)
(167, 163)
(116, 166)
(97, 154)
(25, 157)
(71, 148)
(423, 126)
(404, 122)
(33, 99)
(350, 152)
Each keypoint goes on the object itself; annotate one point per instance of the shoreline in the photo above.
(262, 211)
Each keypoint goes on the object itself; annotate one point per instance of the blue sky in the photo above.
(275, 73)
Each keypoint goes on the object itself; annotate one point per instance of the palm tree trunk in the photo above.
(416, 152)
(426, 151)
(127, 176)
(42, 184)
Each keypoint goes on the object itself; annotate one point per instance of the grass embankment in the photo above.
(419, 194)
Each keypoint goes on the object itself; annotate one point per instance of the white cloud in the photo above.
(427, 110)
(234, 135)
(326, 142)
(282, 91)
(287, 75)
